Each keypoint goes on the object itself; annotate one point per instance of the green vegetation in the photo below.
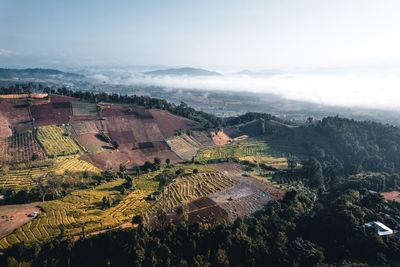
(84, 109)
(57, 142)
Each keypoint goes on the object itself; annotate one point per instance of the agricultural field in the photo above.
(170, 125)
(187, 188)
(237, 150)
(93, 143)
(15, 117)
(21, 178)
(85, 206)
(203, 138)
(73, 164)
(85, 127)
(84, 109)
(19, 148)
(184, 146)
(57, 141)
(51, 113)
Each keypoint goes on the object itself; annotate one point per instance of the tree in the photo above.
(122, 167)
(167, 161)
(115, 144)
(40, 185)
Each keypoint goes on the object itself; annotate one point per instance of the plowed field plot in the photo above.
(203, 138)
(85, 127)
(62, 98)
(235, 172)
(52, 113)
(14, 216)
(19, 148)
(184, 146)
(113, 111)
(93, 143)
(202, 210)
(241, 200)
(171, 125)
(84, 109)
(130, 130)
(111, 159)
(57, 141)
(14, 118)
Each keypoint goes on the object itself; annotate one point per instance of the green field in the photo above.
(84, 109)
(57, 141)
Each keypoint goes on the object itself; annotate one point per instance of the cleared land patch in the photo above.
(393, 195)
(51, 113)
(220, 138)
(57, 141)
(14, 216)
(15, 116)
(170, 125)
(20, 148)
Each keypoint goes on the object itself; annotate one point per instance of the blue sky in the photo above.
(212, 34)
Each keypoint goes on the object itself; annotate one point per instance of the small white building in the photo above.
(382, 229)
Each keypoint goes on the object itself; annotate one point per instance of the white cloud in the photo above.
(380, 91)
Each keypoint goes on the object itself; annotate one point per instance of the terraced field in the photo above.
(184, 146)
(19, 148)
(234, 151)
(84, 206)
(84, 109)
(20, 178)
(57, 141)
(73, 164)
(191, 187)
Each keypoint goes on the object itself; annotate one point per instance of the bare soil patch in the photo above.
(14, 216)
(15, 116)
(170, 124)
(393, 195)
(49, 114)
(220, 138)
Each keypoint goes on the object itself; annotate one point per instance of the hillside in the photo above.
(37, 74)
(183, 71)
(125, 165)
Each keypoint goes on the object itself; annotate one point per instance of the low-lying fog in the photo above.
(366, 90)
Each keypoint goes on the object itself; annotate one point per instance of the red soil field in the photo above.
(130, 130)
(75, 119)
(14, 117)
(52, 113)
(393, 195)
(220, 138)
(61, 98)
(110, 158)
(202, 210)
(114, 110)
(92, 143)
(170, 124)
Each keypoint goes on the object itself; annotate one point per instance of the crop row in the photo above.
(57, 141)
(20, 148)
(191, 187)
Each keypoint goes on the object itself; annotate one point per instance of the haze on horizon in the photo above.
(356, 41)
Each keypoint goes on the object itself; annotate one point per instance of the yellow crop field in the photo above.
(73, 164)
(85, 206)
(20, 178)
(57, 141)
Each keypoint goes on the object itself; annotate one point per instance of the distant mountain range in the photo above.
(37, 74)
(183, 71)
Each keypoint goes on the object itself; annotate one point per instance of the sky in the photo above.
(219, 35)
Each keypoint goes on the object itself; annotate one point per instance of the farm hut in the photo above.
(382, 229)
